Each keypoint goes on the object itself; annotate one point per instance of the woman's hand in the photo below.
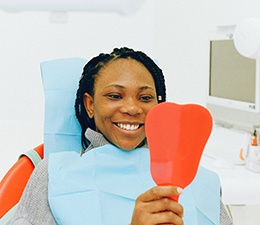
(154, 207)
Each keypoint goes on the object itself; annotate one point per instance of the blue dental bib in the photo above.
(100, 188)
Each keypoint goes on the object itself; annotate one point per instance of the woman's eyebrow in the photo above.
(145, 88)
(116, 86)
(123, 87)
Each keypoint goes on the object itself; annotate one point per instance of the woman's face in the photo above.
(124, 92)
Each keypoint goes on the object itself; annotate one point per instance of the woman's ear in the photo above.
(89, 105)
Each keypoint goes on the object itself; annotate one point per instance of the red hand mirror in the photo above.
(176, 135)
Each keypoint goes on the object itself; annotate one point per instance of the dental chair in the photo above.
(15, 180)
(61, 129)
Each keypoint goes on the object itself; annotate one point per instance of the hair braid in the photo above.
(90, 72)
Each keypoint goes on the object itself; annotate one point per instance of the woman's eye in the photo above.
(114, 96)
(146, 98)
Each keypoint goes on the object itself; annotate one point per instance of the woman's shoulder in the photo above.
(42, 165)
(38, 181)
(40, 172)
(34, 202)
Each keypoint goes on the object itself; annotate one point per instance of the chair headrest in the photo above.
(60, 77)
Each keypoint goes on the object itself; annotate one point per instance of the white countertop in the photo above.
(240, 186)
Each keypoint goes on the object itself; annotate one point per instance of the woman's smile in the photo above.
(128, 126)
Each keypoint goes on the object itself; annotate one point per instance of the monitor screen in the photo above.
(232, 77)
(234, 88)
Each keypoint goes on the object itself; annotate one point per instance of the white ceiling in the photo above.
(120, 6)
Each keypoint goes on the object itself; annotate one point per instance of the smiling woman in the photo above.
(124, 92)
(116, 91)
(110, 181)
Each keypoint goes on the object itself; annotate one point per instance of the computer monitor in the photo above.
(234, 86)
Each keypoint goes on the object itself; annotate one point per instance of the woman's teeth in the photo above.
(128, 126)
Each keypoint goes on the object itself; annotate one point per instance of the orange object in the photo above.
(241, 154)
(254, 139)
(14, 182)
(176, 136)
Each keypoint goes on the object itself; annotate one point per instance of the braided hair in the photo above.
(90, 72)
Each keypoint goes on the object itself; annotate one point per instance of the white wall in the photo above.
(28, 38)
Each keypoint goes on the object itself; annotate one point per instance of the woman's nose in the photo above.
(131, 107)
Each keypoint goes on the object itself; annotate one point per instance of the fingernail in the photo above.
(180, 190)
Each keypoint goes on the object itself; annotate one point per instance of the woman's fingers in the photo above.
(158, 192)
(165, 205)
(167, 217)
(155, 207)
